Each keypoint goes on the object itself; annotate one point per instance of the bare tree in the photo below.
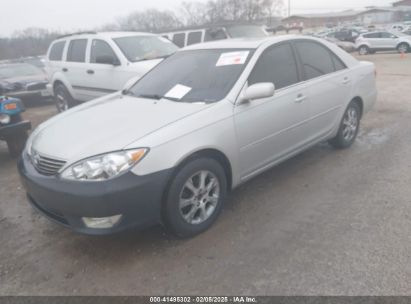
(35, 41)
(150, 20)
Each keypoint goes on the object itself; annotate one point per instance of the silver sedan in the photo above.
(169, 148)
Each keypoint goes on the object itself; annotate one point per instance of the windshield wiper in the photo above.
(152, 58)
(157, 97)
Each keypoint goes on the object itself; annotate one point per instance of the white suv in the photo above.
(89, 65)
(383, 41)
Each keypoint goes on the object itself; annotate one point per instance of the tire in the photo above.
(403, 48)
(63, 98)
(363, 50)
(16, 144)
(349, 127)
(186, 212)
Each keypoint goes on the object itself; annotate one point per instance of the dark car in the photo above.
(13, 129)
(23, 80)
(345, 35)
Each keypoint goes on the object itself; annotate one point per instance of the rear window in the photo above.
(56, 52)
(77, 50)
(194, 37)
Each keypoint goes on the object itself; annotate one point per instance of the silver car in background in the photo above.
(370, 43)
(170, 147)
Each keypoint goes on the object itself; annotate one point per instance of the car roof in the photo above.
(246, 43)
(106, 35)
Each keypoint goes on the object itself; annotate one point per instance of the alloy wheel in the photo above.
(61, 101)
(199, 197)
(350, 123)
(403, 48)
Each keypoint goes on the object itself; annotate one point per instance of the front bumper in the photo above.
(137, 198)
(42, 94)
(10, 130)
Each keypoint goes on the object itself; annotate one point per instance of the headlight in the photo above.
(4, 119)
(104, 167)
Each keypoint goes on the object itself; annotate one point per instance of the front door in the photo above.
(269, 129)
(104, 78)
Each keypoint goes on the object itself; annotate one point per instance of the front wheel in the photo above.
(195, 197)
(16, 144)
(403, 48)
(349, 127)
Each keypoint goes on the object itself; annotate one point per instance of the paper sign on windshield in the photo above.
(232, 58)
(178, 92)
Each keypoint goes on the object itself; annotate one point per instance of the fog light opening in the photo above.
(102, 222)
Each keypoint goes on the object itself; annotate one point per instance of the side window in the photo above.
(372, 35)
(100, 48)
(194, 37)
(315, 58)
(338, 64)
(387, 35)
(179, 39)
(77, 50)
(277, 65)
(56, 52)
(213, 34)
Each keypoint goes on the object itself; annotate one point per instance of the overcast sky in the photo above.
(68, 15)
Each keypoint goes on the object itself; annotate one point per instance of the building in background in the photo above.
(399, 11)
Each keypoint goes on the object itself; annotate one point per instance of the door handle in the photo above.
(65, 69)
(91, 72)
(346, 80)
(300, 98)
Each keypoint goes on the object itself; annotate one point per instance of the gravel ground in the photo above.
(324, 223)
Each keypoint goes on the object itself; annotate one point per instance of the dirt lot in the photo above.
(324, 223)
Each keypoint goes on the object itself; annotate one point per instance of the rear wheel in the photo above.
(349, 127)
(403, 48)
(363, 50)
(195, 197)
(62, 98)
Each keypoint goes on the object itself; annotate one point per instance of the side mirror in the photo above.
(107, 59)
(258, 91)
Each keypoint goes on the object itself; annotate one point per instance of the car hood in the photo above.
(107, 125)
(20, 83)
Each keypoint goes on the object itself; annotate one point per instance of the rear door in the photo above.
(328, 82)
(75, 68)
(55, 58)
(388, 41)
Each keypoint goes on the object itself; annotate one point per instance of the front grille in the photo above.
(47, 166)
(36, 86)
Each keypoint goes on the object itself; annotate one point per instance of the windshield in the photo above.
(194, 76)
(138, 48)
(240, 31)
(18, 70)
